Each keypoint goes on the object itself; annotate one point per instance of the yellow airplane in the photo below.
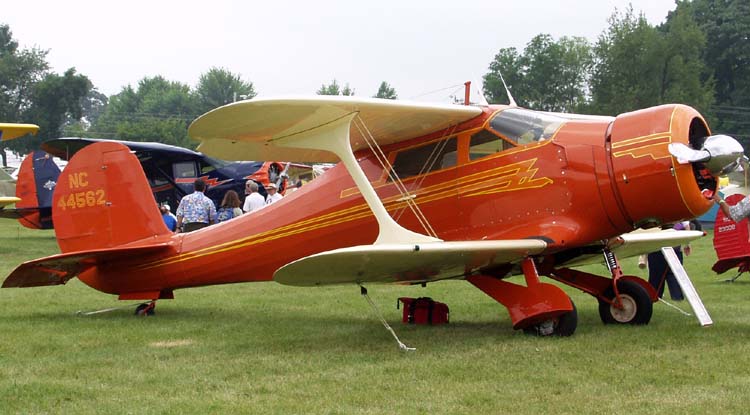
(8, 132)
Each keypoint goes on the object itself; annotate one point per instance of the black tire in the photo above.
(567, 323)
(145, 309)
(637, 305)
(563, 326)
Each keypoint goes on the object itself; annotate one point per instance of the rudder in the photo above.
(37, 178)
(103, 200)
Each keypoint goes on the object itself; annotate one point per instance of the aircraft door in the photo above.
(476, 203)
(428, 171)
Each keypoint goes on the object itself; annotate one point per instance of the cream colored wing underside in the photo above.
(640, 242)
(246, 130)
(404, 262)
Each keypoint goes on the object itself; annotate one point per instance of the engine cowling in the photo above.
(651, 187)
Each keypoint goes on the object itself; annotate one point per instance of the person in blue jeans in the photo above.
(659, 273)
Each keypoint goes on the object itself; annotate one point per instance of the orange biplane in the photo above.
(423, 193)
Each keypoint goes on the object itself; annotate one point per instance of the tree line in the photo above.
(699, 56)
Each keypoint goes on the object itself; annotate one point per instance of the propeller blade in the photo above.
(720, 153)
(685, 154)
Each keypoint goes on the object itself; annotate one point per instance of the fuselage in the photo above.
(506, 174)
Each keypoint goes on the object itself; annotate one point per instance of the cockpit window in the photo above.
(484, 143)
(211, 164)
(424, 159)
(524, 126)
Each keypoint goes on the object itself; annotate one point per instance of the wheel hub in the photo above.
(628, 311)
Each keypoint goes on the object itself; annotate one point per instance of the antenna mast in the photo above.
(507, 91)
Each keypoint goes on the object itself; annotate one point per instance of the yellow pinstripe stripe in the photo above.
(474, 185)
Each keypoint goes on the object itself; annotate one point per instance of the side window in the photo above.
(424, 159)
(154, 174)
(484, 143)
(184, 169)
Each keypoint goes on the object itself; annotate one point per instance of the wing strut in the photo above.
(334, 137)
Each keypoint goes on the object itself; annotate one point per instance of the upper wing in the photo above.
(639, 242)
(405, 262)
(246, 130)
(11, 131)
(66, 147)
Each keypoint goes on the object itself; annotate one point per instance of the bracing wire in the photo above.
(383, 160)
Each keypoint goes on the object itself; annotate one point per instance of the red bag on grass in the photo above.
(423, 310)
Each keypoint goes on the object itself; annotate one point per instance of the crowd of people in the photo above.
(197, 211)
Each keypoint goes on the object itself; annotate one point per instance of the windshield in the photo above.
(525, 126)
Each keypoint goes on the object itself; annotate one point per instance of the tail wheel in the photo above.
(563, 326)
(637, 307)
(145, 309)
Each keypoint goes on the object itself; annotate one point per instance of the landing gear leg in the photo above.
(623, 299)
(538, 308)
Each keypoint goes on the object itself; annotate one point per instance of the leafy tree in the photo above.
(727, 57)
(158, 110)
(335, 89)
(685, 77)
(507, 63)
(629, 65)
(386, 91)
(94, 105)
(555, 72)
(56, 101)
(19, 71)
(550, 75)
(30, 93)
(638, 65)
(219, 87)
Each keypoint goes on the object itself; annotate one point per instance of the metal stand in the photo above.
(687, 287)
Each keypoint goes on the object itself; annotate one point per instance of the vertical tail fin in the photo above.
(35, 185)
(103, 200)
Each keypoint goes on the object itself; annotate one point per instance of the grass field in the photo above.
(266, 348)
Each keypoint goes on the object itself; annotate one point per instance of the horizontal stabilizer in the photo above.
(58, 269)
(404, 262)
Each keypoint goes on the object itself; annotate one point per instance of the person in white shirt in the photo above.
(273, 195)
(253, 200)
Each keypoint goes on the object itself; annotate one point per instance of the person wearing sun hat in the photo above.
(273, 195)
(169, 219)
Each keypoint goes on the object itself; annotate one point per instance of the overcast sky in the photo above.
(292, 47)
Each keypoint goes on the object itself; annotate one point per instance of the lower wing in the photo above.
(414, 263)
(405, 262)
(637, 243)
